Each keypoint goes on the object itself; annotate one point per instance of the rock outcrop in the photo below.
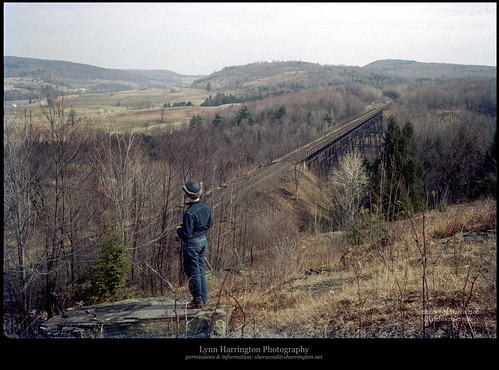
(160, 317)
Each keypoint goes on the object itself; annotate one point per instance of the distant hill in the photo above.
(411, 70)
(168, 77)
(247, 82)
(263, 78)
(282, 77)
(22, 77)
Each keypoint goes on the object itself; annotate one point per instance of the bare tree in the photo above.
(44, 178)
(21, 210)
(113, 158)
(65, 137)
(348, 183)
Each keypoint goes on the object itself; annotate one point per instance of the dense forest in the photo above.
(89, 215)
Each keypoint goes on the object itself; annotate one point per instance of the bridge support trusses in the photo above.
(365, 138)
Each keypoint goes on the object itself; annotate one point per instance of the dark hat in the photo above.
(193, 189)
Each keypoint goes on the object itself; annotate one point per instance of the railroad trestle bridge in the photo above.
(363, 134)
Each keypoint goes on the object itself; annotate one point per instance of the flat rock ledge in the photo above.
(159, 317)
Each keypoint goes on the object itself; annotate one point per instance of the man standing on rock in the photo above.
(196, 220)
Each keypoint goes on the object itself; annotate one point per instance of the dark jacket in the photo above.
(196, 220)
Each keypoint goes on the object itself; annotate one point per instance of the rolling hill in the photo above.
(251, 81)
(262, 79)
(22, 77)
(412, 70)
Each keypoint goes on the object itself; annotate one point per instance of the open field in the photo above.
(143, 119)
(329, 290)
(130, 109)
(138, 99)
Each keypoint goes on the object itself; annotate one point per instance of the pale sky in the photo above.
(202, 38)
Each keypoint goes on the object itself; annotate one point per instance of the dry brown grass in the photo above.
(329, 290)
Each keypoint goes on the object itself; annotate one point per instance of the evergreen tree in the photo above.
(243, 114)
(397, 174)
(196, 121)
(277, 114)
(217, 121)
(111, 271)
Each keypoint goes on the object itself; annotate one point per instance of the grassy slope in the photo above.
(330, 290)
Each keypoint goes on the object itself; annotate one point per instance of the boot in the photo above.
(194, 305)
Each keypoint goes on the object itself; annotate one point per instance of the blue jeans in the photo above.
(193, 252)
